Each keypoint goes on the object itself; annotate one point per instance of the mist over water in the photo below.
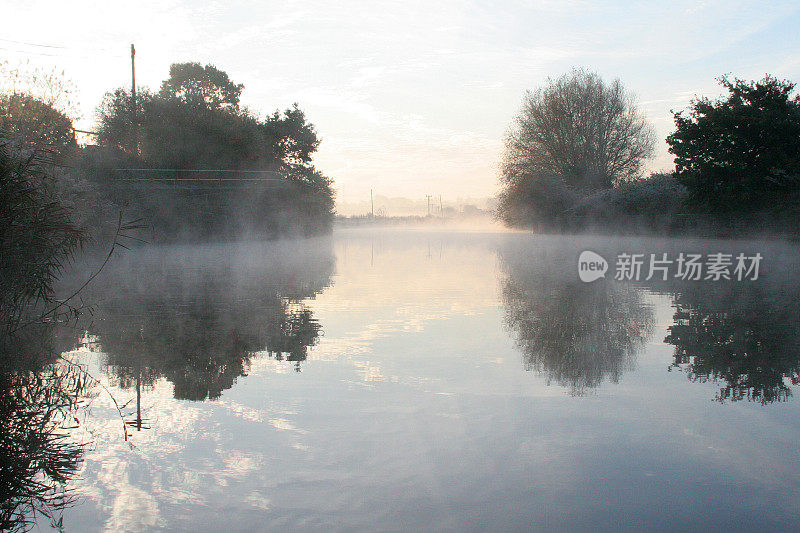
(426, 379)
(305, 295)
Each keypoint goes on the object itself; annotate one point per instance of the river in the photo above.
(434, 380)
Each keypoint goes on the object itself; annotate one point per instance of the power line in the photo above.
(29, 53)
(198, 170)
(70, 53)
(200, 179)
(32, 44)
(59, 47)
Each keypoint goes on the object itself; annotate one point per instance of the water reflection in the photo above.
(577, 334)
(198, 319)
(39, 400)
(416, 374)
(744, 336)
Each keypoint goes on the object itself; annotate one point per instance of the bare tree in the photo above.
(578, 128)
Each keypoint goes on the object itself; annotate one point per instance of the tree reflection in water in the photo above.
(575, 334)
(744, 335)
(199, 327)
(39, 400)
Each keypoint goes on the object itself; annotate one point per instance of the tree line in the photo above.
(188, 159)
(575, 155)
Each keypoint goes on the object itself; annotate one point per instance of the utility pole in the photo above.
(428, 196)
(133, 101)
(441, 211)
(371, 204)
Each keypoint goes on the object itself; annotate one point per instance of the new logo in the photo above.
(591, 266)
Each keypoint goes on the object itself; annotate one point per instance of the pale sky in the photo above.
(411, 98)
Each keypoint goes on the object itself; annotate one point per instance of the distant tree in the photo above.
(178, 130)
(118, 122)
(294, 140)
(192, 83)
(742, 151)
(577, 130)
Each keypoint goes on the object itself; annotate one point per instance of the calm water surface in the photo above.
(399, 380)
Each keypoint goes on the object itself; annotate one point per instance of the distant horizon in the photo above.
(400, 206)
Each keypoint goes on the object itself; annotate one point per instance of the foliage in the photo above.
(35, 123)
(576, 134)
(740, 152)
(538, 201)
(580, 128)
(201, 86)
(37, 235)
(52, 87)
(35, 111)
(236, 172)
(656, 203)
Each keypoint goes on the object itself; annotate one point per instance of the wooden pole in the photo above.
(133, 101)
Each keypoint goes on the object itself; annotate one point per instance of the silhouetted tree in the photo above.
(195, 127)
(35, 124)
(201, 86)
(576, 134)
(741, 151)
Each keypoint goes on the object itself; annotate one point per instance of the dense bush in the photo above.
(653, 204)
(536, 201)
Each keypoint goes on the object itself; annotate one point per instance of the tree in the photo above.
(294, 140)
(582, 129)
(577, 130)
(35, 123)
(194, 125)
(35, 108)
(118, 124)
(740, 152)
(208, 86)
